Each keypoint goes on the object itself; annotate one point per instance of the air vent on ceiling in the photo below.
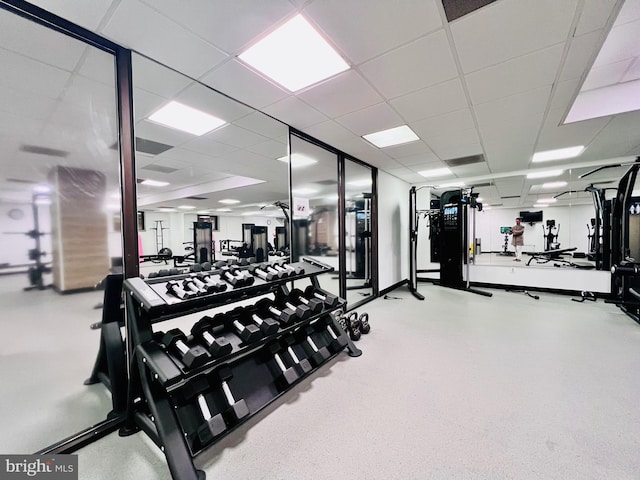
(159, 168)
(326, 182)
(51, 152)
(458, 162)
(196, 198)
(454, 9)
(19, 180)
(478, 185)
(149, 146)
(511, 196)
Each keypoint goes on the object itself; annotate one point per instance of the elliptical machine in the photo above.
(506, 231)
(551, 232)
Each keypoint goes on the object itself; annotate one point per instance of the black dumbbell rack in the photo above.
(165, 397)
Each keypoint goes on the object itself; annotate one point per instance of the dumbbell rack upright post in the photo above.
(162, 391)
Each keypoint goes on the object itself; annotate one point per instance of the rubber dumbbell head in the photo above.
(190, 286)
(192, 357)
(286, 375)
(217, 346)
(267, 308)
(236, 409)
(260, 273)
(301, 364)
(328, 299)
(317, 355)
(301, 311)
(295, 270)
(213, 424)
(268, 326)
(248, 333)
(316, 305)
(175, 289)
(338, 340)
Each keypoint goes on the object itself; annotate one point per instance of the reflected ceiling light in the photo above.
(304, 191)
(167, 210)
(186, 119)
(332, 198)
(203, 212)
(558, 154)
(298, 160)
(112, 207)
(186, 207)
(540, 205)
(392, 136)
(554, 184)
(294, 55)
(546, 200)
(360, 183)
(451, 185)
(154, 183)
(251, 214)
(436, 172)
(42, 188)
(223, 210)
(228, 201)
(546, 173)
(42, 201)
(478, 199)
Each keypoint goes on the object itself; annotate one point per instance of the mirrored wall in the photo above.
(60, 229)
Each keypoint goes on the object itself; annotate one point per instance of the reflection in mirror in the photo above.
(358, 228)
(216, 192)
(314, 184)
(59, 229)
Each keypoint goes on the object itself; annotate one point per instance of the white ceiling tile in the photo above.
(420, 159)
(145, 103)
(141, 28)
(156, 78)
(363, 29)
(430, 102)
(26, 75)
(630, 12)
(39, 43)
(634, 71)
(580, 55)
(342, 94)
(196, 154)
(555, 136)
(86, 14)
(443, 145)
(456, 150)
(209, 101)
(447, 124)
(329, 132)
(235, 136)
(160, 133)
(402, 172)
(428, 165)
(270, 148)
(99, 66)
(509, 186)
(508, 156)
(505, 30)
(564, 94)
(513, 109)
(227, 25)
(411, 67)
(97, 97)
(622, 43)
(27, 105)
(372, 119)
(471, 170)
(620, 136)
(594, 15)
(515, 76)
(605, 75)
(262, 124)
(295, 112)
(239, 82)
(408, 149)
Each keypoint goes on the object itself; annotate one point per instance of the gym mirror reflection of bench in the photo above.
(557, 256)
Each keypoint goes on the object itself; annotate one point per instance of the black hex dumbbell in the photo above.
(236, 409)
(302, 364)
(316, 355)
(199, 283)
(190, 286)
(235, 278)
(329, 300)
(247, 333)
(217, 346)
(338, 340)
(302, 311)
(175, 289)
(280, 273)
(212, 282)
(267, 308)
(285, 376)
(192, 357)
(267, 325)
(213, 424)
(263, 274)
(295, 270)
(315, 304)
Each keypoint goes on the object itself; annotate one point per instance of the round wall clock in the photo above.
(16, 214)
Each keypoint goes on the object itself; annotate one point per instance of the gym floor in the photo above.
(459, 386)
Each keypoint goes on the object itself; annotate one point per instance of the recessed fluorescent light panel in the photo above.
(186, 119)
(540, 205)
(451, 185)
(547, 173)
(559, 154)
(304, 191)
(295, 56)
(298, 160)
(392, 136)
(167, 210)
(42, 188)
(186, 207)
(223, 210)
(546, 200)
(436, 172)
(228, 201)
(154, 183)
(554, 184)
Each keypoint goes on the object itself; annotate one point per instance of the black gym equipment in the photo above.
(550, 235)
(267, 325)
(235, 410)
(365, 327)
(263, 274)
(315, 304)
(212, 282)
(175, 341)
(316, 355)
(235, 277)
(301, 310)
(358, 233)
(338, 340)
(329, 299)
(175, 288)
(506, 231)
(218, 346)
(247, 333)
(266, 308)
(301, 364)
(284, 376)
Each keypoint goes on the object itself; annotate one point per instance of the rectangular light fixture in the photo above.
(540, 205)
(436, 172)
(451, 185)
(546, 200)
(546, 173)
(41, 188)
(554, 184)
(154, 183)
(298, 160)
(559, 154)
(294, 55)
(304, 191)
(228, 201)
(223, 210)
(186, 207)
(186, 119)
(167, 210)
(392, 136)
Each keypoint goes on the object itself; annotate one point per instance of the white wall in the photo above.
(14, 245)
(393, 230)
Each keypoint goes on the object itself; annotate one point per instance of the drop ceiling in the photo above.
(496, 82)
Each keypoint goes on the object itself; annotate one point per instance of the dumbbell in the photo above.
(206, 266)
(247, 333)
(190, 286)
(285, 272)
(200, 285)
(242, 273)
(213, 424)
(175, 289)
(236, 410)
(236, 281)
(302, 364)
(192, 357)
(286, 375)
(302, 311)
(211, 282)
(267, 326)
(280, 273)
(338, 342)
(295, 270)
(163, 273)
(318, 355)
(316, 305)
(264, 275)
(267, 308)
(217, 346)
(328, 299)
